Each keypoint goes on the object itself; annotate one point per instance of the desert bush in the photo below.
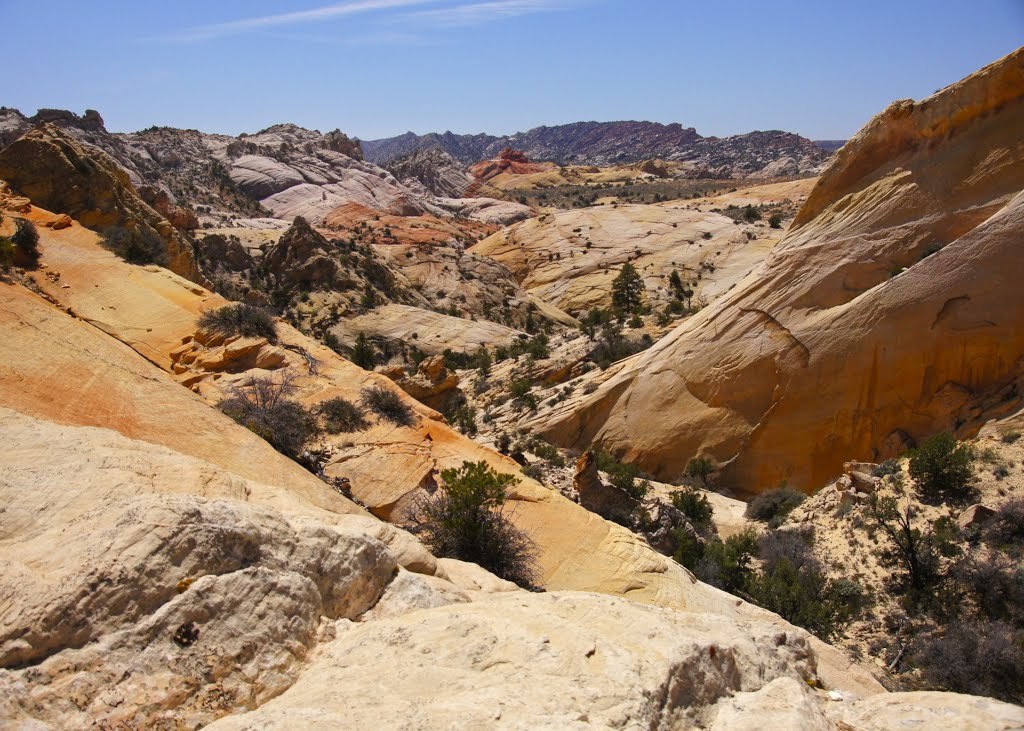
(806, 597)
(466, 519)
(888, 467)
(942, 469)
(775, 221)
(7, 251)
(793, 546)
(262, 406)
(621, 475)
(245, 320)
(978, 657)
(695, 506)
(916, 553)
(1006, 528)
(341, 416)
(994, 583)
(772, 506)
(728, 564)
(464, 419)
(388, 405)
(26, 238)
(136, 245)
(700, 468)
(628, 289)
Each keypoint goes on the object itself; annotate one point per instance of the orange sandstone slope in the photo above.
(73, 371)
(891, 310)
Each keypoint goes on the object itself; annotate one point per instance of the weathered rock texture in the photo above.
(57, 172)
(569, 258)
(823, 352)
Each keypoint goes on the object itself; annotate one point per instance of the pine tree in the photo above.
(627, 289)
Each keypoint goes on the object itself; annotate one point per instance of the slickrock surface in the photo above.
(431, 332)
(570, 258)
(826, 353)
(153, 312)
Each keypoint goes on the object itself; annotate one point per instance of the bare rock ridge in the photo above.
(888, 313)
(608, 143)
(282, 171)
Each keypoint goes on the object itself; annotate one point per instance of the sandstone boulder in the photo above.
(975, 516)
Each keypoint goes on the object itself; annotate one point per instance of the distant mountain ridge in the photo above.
(606, 143)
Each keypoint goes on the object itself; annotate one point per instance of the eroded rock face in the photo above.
(302, 257)
(57, 172)
(824, 352)
(432, 384)
(541, 661)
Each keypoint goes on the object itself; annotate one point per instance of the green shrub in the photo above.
(341, 416)
(6, 253)
(262, 406)
(775, 221)
(772, 506)
(943, 469)
(244, 320)
(466, 519)
(728, 564)
(464, 419)
(363, 354)
(700, 468)
(695, 506)
(888, 467)
(140, 245)
(623, 476)
(1006, 528)
(806, 597)
(26, 238)
(388, 405)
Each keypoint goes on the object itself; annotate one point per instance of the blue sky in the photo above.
(376, 68)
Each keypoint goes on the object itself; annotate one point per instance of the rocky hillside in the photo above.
(759, 154)
(163, 576)
(283, 171)
(887, 313)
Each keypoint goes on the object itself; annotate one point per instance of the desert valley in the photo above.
(602, 424)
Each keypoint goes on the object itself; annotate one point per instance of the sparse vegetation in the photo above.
(467, 519)
(341, 416)
(363, 353)
(26, 239)
(262, 406)
(243, 320)
(628, 289)
(700, 468)
(388, 405)
(140, 245)
(772, 506)
(695, 506)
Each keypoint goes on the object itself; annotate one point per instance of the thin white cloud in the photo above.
(477, 13)
(327, 12)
